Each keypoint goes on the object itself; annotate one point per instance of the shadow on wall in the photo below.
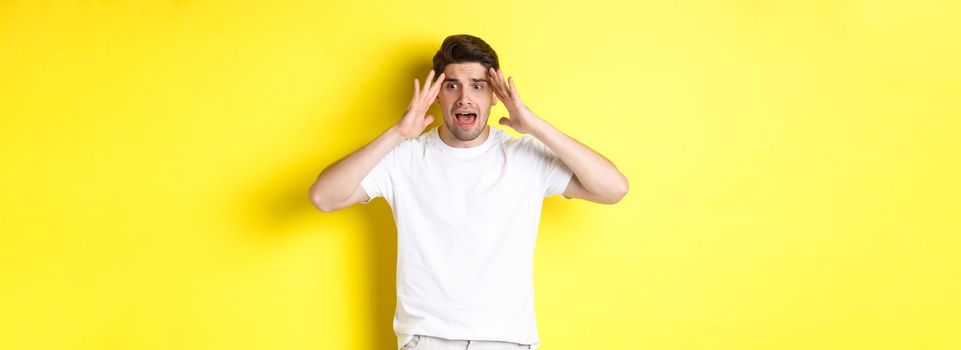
(281, 202)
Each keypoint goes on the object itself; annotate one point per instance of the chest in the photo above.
(495, 185)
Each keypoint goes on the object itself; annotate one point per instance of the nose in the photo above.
(463, 100)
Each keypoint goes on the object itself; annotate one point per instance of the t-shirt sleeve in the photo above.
(554, 174)
(377, 183)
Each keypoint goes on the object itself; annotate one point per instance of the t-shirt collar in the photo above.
(468, 152)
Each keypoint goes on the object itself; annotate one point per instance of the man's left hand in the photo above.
(522, 119)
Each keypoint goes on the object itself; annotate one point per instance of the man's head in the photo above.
(465, 96)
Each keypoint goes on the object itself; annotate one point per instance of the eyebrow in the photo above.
(472, 79)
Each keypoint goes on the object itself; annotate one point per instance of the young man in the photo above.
(466, 198)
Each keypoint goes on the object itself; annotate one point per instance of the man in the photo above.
(466, 198)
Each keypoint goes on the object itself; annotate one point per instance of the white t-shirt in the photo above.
(467, 222)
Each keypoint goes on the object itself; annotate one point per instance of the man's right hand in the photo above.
(339, 184)
(413, 123)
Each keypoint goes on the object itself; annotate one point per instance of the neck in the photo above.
(447, 137)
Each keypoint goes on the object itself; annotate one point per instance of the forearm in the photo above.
(340, 180)
(595, 172)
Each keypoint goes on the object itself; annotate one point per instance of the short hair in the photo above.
(463, 48)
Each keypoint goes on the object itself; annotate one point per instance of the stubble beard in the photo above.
(466, 135)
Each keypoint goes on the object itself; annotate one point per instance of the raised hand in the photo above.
(413, 123)
(522, 119)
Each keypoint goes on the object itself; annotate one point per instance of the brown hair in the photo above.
(464, 48)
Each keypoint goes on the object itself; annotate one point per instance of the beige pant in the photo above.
(426, 342)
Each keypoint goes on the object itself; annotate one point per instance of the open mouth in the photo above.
(465, 120)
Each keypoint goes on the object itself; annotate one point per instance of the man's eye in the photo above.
(451, 86)
(478, 86)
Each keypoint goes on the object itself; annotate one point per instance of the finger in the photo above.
(505, 121)
(500, 77)
(496, 84)
(502, 83)
(416, 88)
(513, 88)
(431, 93)
(430, 77)
(434, 90)
(429, 120)
(432, 87)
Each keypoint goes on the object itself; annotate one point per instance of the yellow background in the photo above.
(793, 166)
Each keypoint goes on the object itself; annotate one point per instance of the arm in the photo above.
(595, 178)
(338, 185)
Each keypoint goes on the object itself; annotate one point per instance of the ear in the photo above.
(493, 99)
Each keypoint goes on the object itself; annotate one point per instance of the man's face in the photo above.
(466, 99)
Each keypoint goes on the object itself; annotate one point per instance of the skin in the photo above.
(465, 86)
(595, 178)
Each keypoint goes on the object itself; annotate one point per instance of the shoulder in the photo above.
(509, 141)
(407, 150)
(526, 145)
(414, 143)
